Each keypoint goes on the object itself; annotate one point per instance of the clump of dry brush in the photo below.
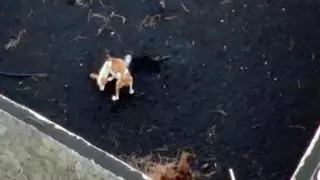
(173, 171)
(163, 168)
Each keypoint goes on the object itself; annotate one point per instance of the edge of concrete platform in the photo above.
(309, 164)
(71, 140)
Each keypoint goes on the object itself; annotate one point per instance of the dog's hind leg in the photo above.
(131, 91)
(119, 85)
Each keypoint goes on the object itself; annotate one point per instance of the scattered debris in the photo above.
(79, 37)
(106, 20)
(15, 41)
(150, 21)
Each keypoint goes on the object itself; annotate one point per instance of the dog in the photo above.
(118, 68)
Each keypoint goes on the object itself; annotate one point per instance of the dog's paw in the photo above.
(131, 91)
(114, 98)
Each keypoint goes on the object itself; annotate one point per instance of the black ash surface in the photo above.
(241, 86)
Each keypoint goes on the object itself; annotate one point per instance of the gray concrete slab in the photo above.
(33, 147)
(309, 165)
(27, 153)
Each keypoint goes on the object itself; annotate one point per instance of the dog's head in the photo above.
(101, 81)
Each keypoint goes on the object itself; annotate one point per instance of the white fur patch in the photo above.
(103, 73)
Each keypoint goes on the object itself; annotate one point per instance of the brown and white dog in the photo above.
(118, 69)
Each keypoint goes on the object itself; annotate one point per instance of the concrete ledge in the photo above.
(27, 153)
(309, 165)
(26, 134)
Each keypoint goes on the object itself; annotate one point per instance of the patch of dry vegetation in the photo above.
(164, 168)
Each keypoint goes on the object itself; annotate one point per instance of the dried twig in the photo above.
(39, 75)
(161, 58)
(299, 84)
(297, 127)
(225, 2)
(15, 41)
(119, 16)
(105, 19)
(184, 7)
(221, 112)
(170, 18)
(232, 174)
(291, 44)
(98, 15)
(78, 37)
(150, 21)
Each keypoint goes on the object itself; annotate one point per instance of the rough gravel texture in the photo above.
(28, 154)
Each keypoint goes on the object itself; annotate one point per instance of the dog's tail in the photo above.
(128, 59)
